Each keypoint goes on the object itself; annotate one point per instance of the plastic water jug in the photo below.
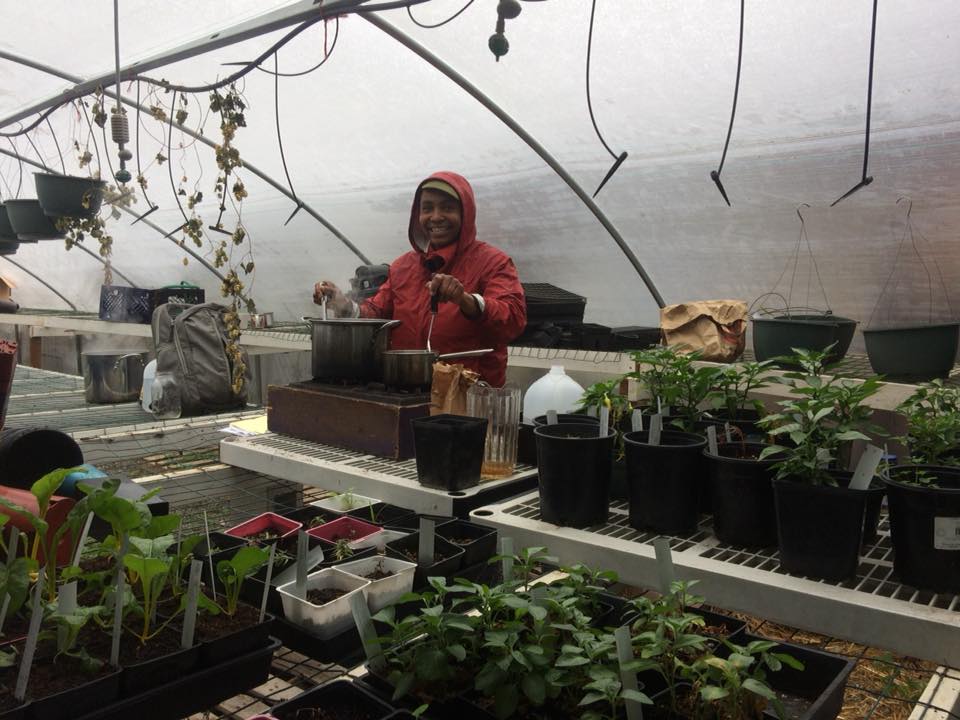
(554, 391)
(146, 390)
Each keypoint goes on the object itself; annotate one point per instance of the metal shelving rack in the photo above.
(873, 608)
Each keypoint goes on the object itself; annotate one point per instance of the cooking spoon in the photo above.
(434, 307)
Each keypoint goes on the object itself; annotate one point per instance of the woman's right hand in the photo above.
(336, 300)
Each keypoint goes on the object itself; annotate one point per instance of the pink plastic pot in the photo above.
(284, 527)
(345, 528)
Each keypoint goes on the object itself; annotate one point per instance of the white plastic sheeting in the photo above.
(364, 128)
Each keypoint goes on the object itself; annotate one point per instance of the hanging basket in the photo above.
(69, 196)
(913, 352)
(777, 334)
(7, 233)
(29, 222)
(9, 247)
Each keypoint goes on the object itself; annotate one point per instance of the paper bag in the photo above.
(718, 328)
(448, 394)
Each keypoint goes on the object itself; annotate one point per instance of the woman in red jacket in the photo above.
(481, 299)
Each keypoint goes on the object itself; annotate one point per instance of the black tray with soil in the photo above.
(446, 560)
(222, 637)
(478, 542)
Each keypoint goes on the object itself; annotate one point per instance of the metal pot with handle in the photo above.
(349, 348)
(414, 368)
(112, 377)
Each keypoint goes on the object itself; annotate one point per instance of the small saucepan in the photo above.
(414, 368)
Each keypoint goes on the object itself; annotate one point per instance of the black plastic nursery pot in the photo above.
(567, 419)
(29, 222)
(478, 542)
(819, 528)
(220, 649)
(924, 527)
(381, 514)
(407, 548)
(741, 487)
(338, 698)
(744, 424)
(777, 336)
(526, 445)
(77, 700)
(146, 675)
(69, 196)
(665, 481)
(874, 502)
(913, 352)
(574, 465)
(449, 450)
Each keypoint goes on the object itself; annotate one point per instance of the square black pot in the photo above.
(478, 542)
(448, 567)
(449, 450)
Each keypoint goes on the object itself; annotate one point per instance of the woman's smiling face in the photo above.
(440, 217)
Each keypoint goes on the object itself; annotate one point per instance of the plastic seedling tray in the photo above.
(328, 619)
(383, 591)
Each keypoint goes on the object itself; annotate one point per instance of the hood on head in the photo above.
(468, 221)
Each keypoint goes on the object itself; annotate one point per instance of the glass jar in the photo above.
(165, 396)
(501, 408)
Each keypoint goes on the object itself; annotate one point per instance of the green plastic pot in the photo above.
(914, 352)
(29, 222)
(6, 230)
(69, 196)
(777, 336)
(9, 247)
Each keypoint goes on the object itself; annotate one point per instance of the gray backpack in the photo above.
(190, 342)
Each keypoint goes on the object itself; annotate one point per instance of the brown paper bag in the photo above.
(448, 393)
(718, 328)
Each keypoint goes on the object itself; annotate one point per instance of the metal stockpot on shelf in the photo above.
(414, 368)
(112, 377)
(349, 348)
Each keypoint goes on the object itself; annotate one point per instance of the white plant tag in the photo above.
(266, 581)
(30, 646)
(591, 411)
(659, 406)
(656, 426)
(506, 549)
(604, 421)
(628, 678)
(83, 540)
(636, 420)
(368, 633)
(11, 556)
(118, 596)
(866, 468)
(213, 574)
(190, 611)
(302, 563)
(664, 563)
(551, 417)
(728, 431)
(712, 439)
(427, 539)
(66, 604)
(946, 533)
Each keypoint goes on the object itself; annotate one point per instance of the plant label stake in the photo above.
(118, 593)
(866, 468)
(728, 431)
(213, 574)
(266, 582)
(656, 425)
(551, 417)
(604, 421)
(712, 440)
(66, 604)
(368, 633)
(636, 420)
(664, 563)
(190, 611)
(301, 586)
(83, 540)
(628, 678)
(506, 550)
(425, 551)
(30, 647)
(11, 556)
(659, 406)
(591, 411)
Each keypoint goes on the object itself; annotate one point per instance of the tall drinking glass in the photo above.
(501, 408)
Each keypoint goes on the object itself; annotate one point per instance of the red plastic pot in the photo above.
(57, 513)
(284, 527)
(345, 528)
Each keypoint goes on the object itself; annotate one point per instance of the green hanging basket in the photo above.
(29, 222)
(68, 196)
(6, 230)
(913, 352)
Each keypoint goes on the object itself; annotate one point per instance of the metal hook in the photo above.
(909, 200)
(801, 205)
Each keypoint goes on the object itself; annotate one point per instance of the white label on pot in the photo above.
(551, 417)
(866, 468)
(591, 411)
(425, 548)
(946, 533)
(627, 677)
(506, 550)
(656, 425)
(661, 547)
(727, 431)
(712, 440)
(604, 420)
(636, 420)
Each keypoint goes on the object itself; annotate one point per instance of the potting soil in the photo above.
(324, 595)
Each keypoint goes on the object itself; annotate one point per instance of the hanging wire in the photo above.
(441, 23)
(36, 123)
(57, 144)
(715, 174)
(327, 52)
(16, 152)
(617, 159)
(803, 237)
(151, 205)
(864, 178)
(283, 157)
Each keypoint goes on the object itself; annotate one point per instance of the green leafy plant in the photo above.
(342, 549)
(933, 424)
(733, 383)
(234, 571)
(673, 378)
(148, 564)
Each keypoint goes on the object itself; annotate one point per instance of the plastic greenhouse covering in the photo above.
(372, 117)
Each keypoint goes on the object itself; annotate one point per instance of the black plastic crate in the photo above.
(119, 303)
(634, 337)
(539, 334)
(548, 303)
(587, 336)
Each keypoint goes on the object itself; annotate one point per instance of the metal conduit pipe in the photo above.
(40, 280)
(196, 136)
(148, 223)
(478, 95)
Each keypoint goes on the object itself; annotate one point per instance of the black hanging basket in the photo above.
(29, 222)
(777, 335)
(69, 196)
(913, 352)
(7, 233)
